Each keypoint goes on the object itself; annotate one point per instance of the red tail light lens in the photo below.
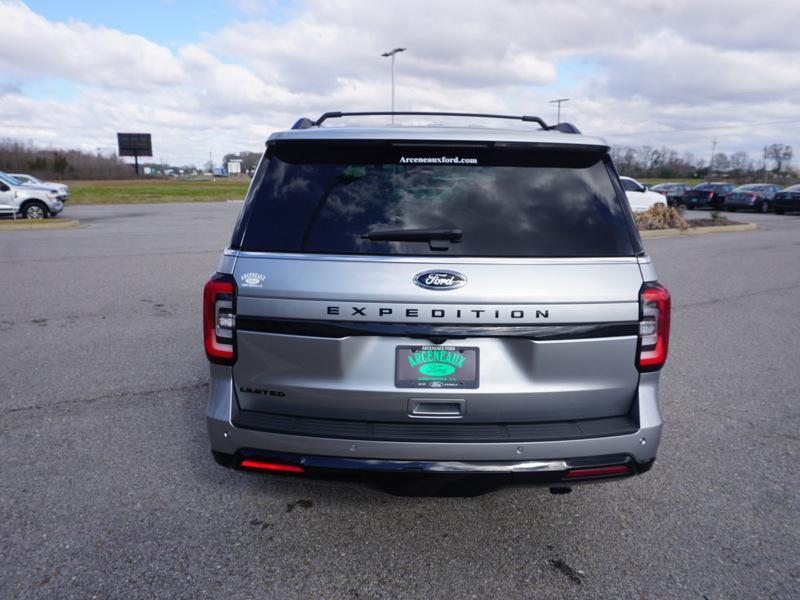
(219, 316)
(270, 466)
(655, 305)
(610, 471)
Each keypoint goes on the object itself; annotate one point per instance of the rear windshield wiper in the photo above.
(439, 239)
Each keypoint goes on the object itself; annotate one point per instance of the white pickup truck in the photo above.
(639, 197)
(29, 201)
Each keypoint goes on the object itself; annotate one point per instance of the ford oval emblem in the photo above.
(439, 280)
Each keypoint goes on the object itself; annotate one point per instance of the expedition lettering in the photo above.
(436, 313)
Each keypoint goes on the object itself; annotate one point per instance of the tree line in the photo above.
(635, 161)
(17, 157)
(54, 164)
(249, 160)
(666, 163)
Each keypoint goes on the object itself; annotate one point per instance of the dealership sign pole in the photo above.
(392, 54)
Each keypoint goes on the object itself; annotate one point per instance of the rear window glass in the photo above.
(503, 200)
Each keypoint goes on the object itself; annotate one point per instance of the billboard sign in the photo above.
(135, 144)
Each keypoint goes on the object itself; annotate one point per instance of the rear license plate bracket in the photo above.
(444, 367)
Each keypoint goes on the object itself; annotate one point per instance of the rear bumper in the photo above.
(227, 440)
(550, 473)
(786, 204)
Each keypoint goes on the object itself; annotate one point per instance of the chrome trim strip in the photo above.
(435, 466)
(420, 466)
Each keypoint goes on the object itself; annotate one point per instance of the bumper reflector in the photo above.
(268, 466)
(598, 472)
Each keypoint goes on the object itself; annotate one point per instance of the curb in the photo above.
(25, 225)
(649, 234)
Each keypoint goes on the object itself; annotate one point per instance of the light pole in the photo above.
(392, 53)
(558, 114)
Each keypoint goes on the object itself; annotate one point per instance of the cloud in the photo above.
(30, 45)
(629, 66)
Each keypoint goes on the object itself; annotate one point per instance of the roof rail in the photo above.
(337, 115)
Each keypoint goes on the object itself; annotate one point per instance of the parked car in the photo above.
(787, 200)
(31, 180)
(753, 196)
(707, 195)
(30, 201)
(639, 197)
(673, 192)
(474, 303)
(6, 206)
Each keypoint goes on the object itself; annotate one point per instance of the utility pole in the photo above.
(558, 101)
(211, 165)
(711, 163)
(765, 164)
(392, 53)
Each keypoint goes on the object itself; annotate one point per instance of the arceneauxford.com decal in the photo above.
(438, 160)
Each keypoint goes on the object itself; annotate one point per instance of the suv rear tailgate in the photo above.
(558, 341)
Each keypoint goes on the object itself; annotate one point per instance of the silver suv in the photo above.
(440, 301)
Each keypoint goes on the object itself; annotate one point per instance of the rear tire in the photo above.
(730, 209)
(690, 207)
(779, 211)
(35, 210)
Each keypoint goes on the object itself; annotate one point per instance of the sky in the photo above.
(219, 77)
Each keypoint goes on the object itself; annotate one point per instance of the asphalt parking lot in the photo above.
(108, 489)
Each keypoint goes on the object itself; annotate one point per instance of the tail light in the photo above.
(654, 313)
(270, 466)
(219, 317)
(593, 472)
